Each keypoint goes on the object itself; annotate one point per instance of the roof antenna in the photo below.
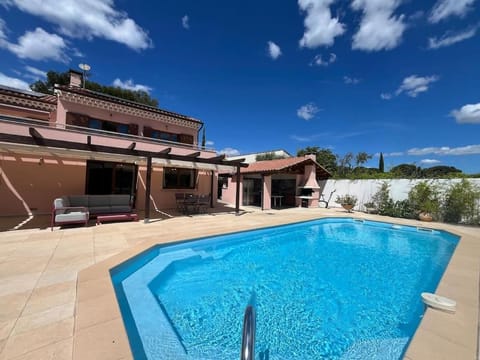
(85, 68)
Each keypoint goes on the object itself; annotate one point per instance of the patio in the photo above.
(48, 309)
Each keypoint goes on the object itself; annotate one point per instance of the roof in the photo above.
(28, 94)
(294, 165)
(111, 98)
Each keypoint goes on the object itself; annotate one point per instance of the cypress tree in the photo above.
(381, 166)
(203, 139)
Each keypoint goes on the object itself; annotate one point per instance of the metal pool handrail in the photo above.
(248, 334)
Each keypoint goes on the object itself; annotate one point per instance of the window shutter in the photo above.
(186, 139)
(133, 129)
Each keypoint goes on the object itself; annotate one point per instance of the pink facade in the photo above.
(281, 183)
(32, 176)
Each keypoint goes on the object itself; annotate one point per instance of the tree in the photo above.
(345, 164)
(381, 165)
(324, 157)
(204, 141)
(405, 171)
(268, 156)
(440, 171)
(361, 158)
(54, 77)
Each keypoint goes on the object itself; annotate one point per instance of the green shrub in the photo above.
(347, 199)
(425, 198)
(462, 203)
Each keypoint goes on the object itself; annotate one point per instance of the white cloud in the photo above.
(394, 153)
(445, 150)
(320, 27)
(13, 82)
(379, 28)
(228, 151)
(350, 80)
(450, 38)
(445, 8)
(35, 73)
(87, 19)
(37, 45)
(274, 50)
(185, 22)
(307, 111)
(386, 96)
(209, 143)
(130, 85)
(469, 113)
(318, 61)
(429, 161)
(414, 85)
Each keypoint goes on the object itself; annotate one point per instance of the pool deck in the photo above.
(57, 300)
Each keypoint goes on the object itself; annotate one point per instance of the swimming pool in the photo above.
(324, 289)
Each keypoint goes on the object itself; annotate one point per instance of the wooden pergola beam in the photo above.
(194, 155)
(165, 151)
(132, 146)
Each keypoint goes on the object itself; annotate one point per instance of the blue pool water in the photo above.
(324, 289)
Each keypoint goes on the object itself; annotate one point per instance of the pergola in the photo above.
(40, 145)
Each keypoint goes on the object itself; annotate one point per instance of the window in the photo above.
(156, 134)
(179, 178)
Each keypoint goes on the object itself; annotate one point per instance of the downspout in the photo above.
(198, 136)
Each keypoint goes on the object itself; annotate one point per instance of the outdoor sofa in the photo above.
(77, 209)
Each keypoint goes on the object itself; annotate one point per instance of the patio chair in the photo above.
(180, 200)
(190, 203)
(62, 213)
(203, 203)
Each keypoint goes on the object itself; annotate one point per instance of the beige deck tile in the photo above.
(461, 330)
(106, 341)
(43, 298)
(43, 318)
(12, 305)
(2, 345)
(427, 345)
(61, 350)
(18, 283)
(94, 289)
(96, 310)
(12, 268)
(26, 342)
(53, 277)
(6, 328)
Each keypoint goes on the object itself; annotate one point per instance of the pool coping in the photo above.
(99, 332)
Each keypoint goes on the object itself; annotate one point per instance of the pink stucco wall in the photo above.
(229, 194)
(101, 114)
(27, 181)
(267, 192)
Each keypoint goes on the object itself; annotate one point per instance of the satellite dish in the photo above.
(85, 68)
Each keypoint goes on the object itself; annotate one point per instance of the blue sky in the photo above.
(394, 76)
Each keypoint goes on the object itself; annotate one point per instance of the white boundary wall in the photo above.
(365, 189)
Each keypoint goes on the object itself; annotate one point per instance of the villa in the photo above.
(80, 142)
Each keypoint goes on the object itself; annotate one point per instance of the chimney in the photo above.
(75, 78)
(310, 173)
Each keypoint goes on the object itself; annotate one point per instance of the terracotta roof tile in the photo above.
(283, 165)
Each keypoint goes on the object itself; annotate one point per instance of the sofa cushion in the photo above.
(123, 200)
(98, 200)
(78, 200)
(120, 209)
(95, 210)
(71, 217)
(60, 203)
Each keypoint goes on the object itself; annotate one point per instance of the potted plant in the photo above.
(347, 201)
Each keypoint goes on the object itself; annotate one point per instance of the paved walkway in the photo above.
(39, 270)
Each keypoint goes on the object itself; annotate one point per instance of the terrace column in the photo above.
(237, 193)
(267, 192)
(148, 189)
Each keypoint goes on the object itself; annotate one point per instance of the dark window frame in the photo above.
(179, 178)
